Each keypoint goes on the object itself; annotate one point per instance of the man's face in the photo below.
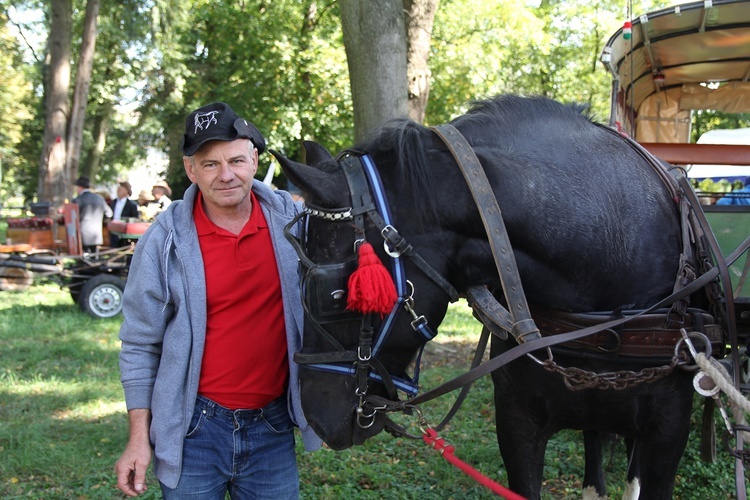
(224, 171)
(121, 192)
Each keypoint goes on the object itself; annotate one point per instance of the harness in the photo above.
(369, 201)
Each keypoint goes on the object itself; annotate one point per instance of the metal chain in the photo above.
(744, 454)
(577, 379)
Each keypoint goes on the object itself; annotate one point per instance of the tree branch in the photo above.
(20, 29)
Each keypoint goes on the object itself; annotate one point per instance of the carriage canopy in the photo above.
(688, 57)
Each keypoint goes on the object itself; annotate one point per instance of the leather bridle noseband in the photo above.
(368, 201)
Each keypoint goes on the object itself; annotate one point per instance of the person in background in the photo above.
(147, 209)
(92, 211)
(162, 192)
(122, 208)
(212, 318)
(145, 197)
(736, 197)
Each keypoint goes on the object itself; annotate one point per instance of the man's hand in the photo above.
(131, 470)
(132, 466)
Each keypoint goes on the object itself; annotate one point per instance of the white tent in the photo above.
(729, 172)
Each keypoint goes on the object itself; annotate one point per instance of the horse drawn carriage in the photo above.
(50, 248)
(678, 62)
(589, 261)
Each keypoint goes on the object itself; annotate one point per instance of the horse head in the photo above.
(349, 357)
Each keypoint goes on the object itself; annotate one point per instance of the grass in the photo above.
(63, 422)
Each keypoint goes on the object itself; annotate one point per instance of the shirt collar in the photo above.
(204, 225)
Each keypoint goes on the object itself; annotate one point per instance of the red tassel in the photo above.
(371, 288)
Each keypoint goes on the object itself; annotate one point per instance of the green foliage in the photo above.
(711, 186)
(16, 106)
(485, 48)
(121, 60)
(282, 64)
(283, 67)
(706, 119)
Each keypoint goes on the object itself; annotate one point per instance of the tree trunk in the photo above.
(420, 15)
(101, 126)
(53, 182)
(81, 93)
(304, 91)
(375, 40)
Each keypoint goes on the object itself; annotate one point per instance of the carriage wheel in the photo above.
(101, 296)
(15, 279)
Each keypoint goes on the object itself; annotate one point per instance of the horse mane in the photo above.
(405, 142)
(524, 115)
(487, 124)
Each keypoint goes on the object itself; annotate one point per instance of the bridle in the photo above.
(323, 306)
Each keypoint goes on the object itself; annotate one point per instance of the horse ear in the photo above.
(316, 153)
(323, 186)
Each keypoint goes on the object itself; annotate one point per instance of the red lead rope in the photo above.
(431, 437)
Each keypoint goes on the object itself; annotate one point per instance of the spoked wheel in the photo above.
(15, 279)
(101, 296)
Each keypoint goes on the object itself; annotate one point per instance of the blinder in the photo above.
(323, 286)
(325, 290)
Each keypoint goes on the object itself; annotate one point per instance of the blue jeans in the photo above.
(248, 453)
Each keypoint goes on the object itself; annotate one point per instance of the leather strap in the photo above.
(650, 336)
(523, 326)
(489, 311)
(363, 204)
(521, 350)
(399, 431)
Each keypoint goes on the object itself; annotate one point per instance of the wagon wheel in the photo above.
(101, 296)
(15, 279)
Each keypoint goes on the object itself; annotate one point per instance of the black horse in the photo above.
(593, 228)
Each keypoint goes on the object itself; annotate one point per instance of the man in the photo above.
(147, 209)
(145, 197)
(123, 208)
(92, 210)
(161, 193)
(212, 318)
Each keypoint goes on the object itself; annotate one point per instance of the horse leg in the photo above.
(657, 452)
(522, 447)
(633, 488)
(594, 486)
(520, 437)
(656, 463)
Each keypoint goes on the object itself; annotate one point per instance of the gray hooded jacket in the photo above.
(164, 329)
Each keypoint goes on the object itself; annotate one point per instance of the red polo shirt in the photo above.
(245, 361)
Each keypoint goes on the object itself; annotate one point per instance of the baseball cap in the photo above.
(217, 122)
